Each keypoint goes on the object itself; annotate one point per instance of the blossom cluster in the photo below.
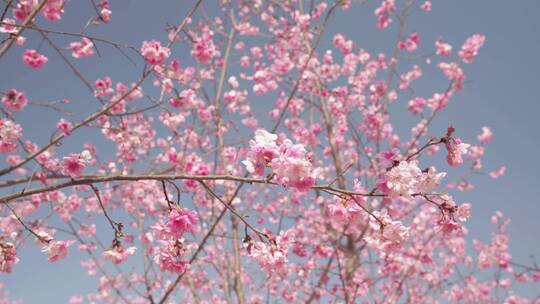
(406, 179)
(52, 10)
(271, 257)
(154, 53)
(456, 149)
(34, 59)
(388, 234)
(8, 257)
(10, 133)
(171, 254)
(290, 162)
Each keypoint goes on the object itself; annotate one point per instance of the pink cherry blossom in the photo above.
(292, 166)
(181, 220)
(486, 135)
(406, 179)
(470, 48)
(105, 12)
(271, 257)
(204, 48)
(345, 46)
(429, 180)
(453, 72)
(14, 100)
(263, 149)
(103, 86)
(443, 49)
(23, 9)
(410, 76)
(456, 149)
(384, 12)
(154, 53)
(387, 234)
(416, 105)
(395, 232)
(34, 59)
(463, 212)
(172, 257)
(8, 257)
(10, 133)
(411, 43)
(118, 254)
(8, 26)
(57, 250)
(82, 49)
(426, 6)
(53, 10)
(20, 40)
(73, 165)
(64, 126)
(498, 173)
(76, 300)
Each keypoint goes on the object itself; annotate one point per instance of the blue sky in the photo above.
(501, 92)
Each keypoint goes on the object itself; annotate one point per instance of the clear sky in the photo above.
(501, 92)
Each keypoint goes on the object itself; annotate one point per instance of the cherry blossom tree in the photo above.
(210, 199)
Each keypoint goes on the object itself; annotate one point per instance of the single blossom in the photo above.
(463, 212)
(426, 6)
(76, 300)
(498, 173)
(73, 165)
(105, 12)
(486, 135)
(64, 126)
(20, 40)
(14, 100)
